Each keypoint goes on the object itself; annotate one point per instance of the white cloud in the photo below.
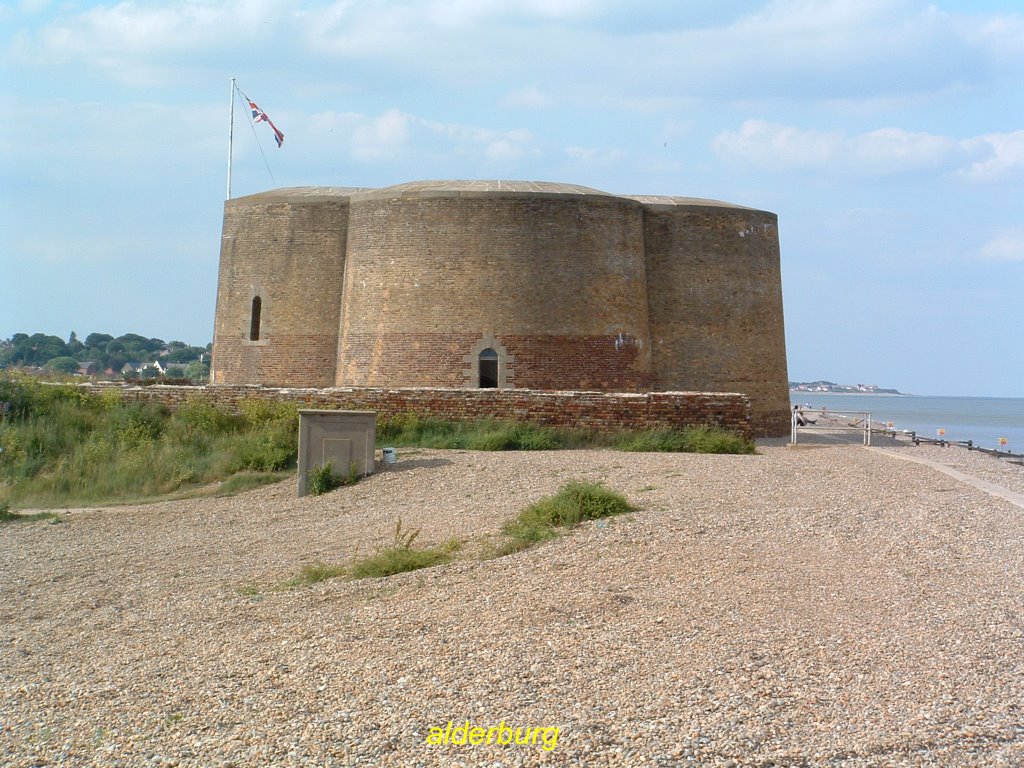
(656, 53)
(588, 156)
(494, 145)
(883, 152)
(390, 135)
(1001, 155)
(772, 146)
(139, 44)
(892, 150)
(382, 137)
(1006, 246)
(527, 98)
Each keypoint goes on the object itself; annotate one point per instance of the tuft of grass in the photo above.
(400, 556)
(392, 560)
(314, 573)
(323, 479)
(7, 516)
(575, 502)
(249, 590)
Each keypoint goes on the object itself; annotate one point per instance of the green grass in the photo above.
(388, 562)
(62, 445)
(685, 440)
(7, 516)
(323, 479)
(576, 502)
(410, 430)
(542, 521)
(314, 573)
(398, 557)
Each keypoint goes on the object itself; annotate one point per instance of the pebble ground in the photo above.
(830, 606)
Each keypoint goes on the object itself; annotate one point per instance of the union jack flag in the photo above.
(259, 116)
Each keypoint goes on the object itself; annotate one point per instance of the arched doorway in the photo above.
(488, 369)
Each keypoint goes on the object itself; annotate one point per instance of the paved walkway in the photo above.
(992, 488)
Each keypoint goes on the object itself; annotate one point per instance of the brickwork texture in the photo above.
(394, 288)
(599, 411)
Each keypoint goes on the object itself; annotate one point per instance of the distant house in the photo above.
(130, 368)
(150, 369)
(87, 368)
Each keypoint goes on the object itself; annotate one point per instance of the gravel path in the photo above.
(822, 607)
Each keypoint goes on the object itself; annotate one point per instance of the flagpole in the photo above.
(231, 134)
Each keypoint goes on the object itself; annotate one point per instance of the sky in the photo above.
(887, 135)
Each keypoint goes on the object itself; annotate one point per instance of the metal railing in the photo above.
(917, 439)
(827, 421)
(824, 420)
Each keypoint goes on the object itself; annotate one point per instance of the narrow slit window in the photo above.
(254, 319)
(488, 369)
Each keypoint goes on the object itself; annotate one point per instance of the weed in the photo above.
(323, 479)
(7, 516)
(685, 440)
(61, 445)
(392, 560)
(401, 557)
(314, 573)
(575, 502)
(248, 590)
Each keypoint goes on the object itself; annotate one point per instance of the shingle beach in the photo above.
(831, 606)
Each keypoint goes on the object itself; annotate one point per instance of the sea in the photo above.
(984, 420)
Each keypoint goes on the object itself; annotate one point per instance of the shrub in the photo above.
(257, 412)
(199, 417)
(268, 448)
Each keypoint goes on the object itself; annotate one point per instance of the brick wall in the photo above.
(289, 250)
(603, 411)
(557, 279)
(715, 296)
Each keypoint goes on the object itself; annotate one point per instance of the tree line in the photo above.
(107, 353)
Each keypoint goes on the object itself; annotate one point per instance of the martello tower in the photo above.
(507, 284)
